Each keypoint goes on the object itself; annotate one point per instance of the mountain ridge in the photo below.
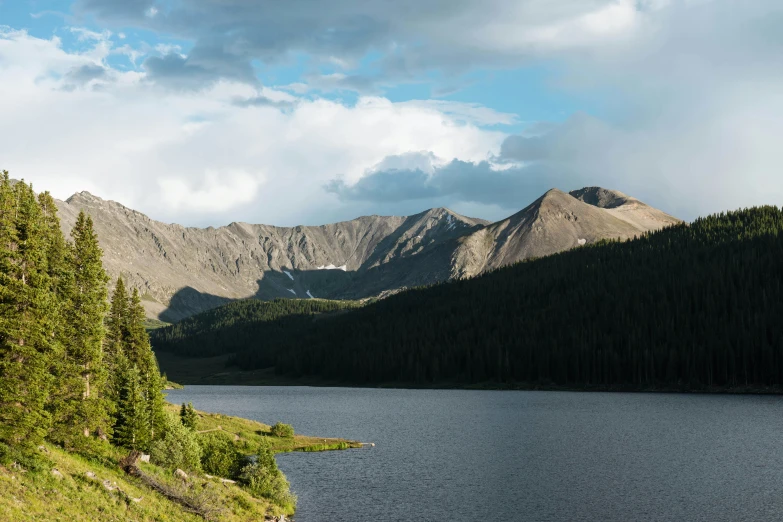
(184, 270)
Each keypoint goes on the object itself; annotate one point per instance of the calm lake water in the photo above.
(517, 456)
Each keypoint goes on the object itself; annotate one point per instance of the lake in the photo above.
(458, 455)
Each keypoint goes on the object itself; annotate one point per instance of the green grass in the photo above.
(40, 496)
(248, 434)
(75, 497)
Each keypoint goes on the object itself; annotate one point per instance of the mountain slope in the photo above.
(553, 223)
(183, 270)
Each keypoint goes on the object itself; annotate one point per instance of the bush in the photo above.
(25, 457)
(283, 430)
(262, 478)
(220, 456)
(177, 448)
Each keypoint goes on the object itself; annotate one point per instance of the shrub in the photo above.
(220, 456)
(178, 448)
(262, 478)
(25, 457)
(283, 430)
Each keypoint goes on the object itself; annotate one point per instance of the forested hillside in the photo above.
(691, 306)
(81, 393)
(240, 324)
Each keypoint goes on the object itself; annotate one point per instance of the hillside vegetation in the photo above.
(235, 326)
(75, 487)
(85, 433)
(694, 306)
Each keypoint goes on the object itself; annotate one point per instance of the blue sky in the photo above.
(207, 111)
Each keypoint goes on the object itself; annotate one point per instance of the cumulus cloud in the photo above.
(689, 93)
(195, 156)
(689, 99)
(215, 192)
(425, 177)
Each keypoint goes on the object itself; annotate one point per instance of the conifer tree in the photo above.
(132, 427)
(85, 312)
(140, 353)
(61, 366)
(27, 317)
(116, 334)
(188, 416)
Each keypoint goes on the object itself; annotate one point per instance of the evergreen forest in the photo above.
(230, 328)
(79, 383)
(74, 368)
(693, 306)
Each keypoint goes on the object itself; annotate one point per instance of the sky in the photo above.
(204, 112)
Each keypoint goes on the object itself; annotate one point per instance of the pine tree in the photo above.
(139, 352)
(85, 406)
(27, 317)
(132, 428)
(62, 368)
(116, 334)
(188, 416)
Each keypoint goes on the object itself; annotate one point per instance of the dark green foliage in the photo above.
(177, 448)
(283, 430)
(82, 401)
(689, 307)
(131, 429)
(220, 456)
(129, 351)
(240, 324)
(188, 416)
(28, 317)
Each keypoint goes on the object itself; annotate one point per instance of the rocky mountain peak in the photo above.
(602, 198)
(185, 270)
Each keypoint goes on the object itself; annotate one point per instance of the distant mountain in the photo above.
(183, 270)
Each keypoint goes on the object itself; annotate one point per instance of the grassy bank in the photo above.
(249, 434)
(65, 486)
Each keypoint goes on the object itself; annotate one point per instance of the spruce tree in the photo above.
(27, 317)
(116, 334)
(188, 416)
(132, 427)
(62, 367)
(129, 347)
(85, 313)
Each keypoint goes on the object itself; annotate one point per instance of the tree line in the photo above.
(74, 367)
(692, 306)
(237, 325)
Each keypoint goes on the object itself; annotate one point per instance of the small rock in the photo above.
(145, 458)
(107, 484)
(181, 474)
(89, 474)
(57, 474)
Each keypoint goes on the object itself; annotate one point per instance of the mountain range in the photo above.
(182, 271)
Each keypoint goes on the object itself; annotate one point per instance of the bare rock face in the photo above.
(553, 223)
(181, 271)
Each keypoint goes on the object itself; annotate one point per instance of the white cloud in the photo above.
(194, 156)
(215, 192)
